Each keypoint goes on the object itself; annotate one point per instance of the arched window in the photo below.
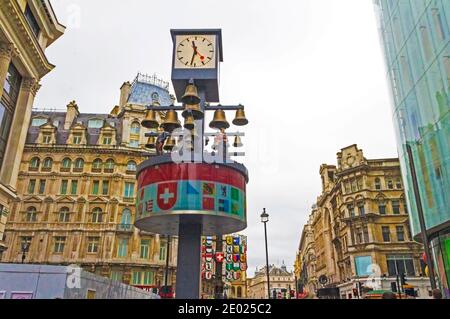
(126, 217)
(377, 183)
(34, 163)
(109, 165)
(97, 215)
(48, 162)
(66, 163)
(131, 166)
(79, 164)
(381, 205)
(398, 183)
(31, 214)
(135, 128)
(390, 184)
(64, 215)
(97, 165)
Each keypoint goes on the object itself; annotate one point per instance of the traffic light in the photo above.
(394, 286)
(403, 279)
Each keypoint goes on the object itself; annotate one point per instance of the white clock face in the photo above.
(195, 51)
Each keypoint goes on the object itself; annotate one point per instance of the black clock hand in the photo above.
(195, 52)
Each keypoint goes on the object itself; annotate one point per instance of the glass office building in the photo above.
(415, 36)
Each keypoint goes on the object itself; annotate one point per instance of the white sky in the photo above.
(310, 73)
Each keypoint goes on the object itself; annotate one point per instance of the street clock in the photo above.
(197, 54)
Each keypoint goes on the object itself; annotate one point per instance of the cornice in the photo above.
(30, 45)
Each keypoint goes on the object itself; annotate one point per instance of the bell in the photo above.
(237, 142)
(190, 95)
(189, 123)
(170, 144)
(150, 120)
(194, 110)
(151, 144)
(171, 121)
(219, 121)
(240, 119)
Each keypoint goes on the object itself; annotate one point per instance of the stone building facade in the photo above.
(77, 191)
(27, 28)
(359, 229)
(281, 283)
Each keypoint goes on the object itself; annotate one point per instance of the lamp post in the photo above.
(264, 220)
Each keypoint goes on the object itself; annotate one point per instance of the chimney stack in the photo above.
(125, 91)
(71, 114)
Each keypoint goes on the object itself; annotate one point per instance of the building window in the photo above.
(66, 164)
(109, 166)
(47, 138)
(351, 210)
(377, 183)
(105, 187)
(95, 186)
(32, 22)
(134, 143)
(79, 164)
(31, 186)
(386, 233)
(12, 84)
(74, 187)
(122, 249)
(361, 209)
(97, 215)
(398, 183)
(76, 139)
(129, 190)
(36, 122)
(93, 244)
(135, 128)
(145, 247)
(5, 123)
(47, 166)
(396, 207)
(366, 234)
(95, 123)
(390, 184)
(60, 242)
(97, 165)
(63, 189)
(64, 215)
(400, 233)
(131, 166)
(31, 214)
(107, 139)
(400, 264)
(34, 164)
(116, 276)
(359, 236)
(143, 278)
(382, 207)
(162, 250)
(42, 187)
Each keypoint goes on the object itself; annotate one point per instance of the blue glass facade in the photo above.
(416, 36)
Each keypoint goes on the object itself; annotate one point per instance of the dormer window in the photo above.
(46, 138)
(32, 22)
(95, 123)
(76, 139)
(107, 139)
(38, 121)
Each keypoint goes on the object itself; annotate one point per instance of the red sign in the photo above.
(167, 195)
(220, 257)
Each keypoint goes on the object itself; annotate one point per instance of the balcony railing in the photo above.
(125, 228)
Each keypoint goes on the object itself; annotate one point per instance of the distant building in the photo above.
(27, 28)
(358, 231)
(76, 191)
(416, 42)
(281, 283)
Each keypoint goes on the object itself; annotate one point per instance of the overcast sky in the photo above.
(310, 73)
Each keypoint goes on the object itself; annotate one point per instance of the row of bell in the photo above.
(170, 143)
(192, 113)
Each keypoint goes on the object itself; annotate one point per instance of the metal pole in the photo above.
(398, 287)
(267, 261)
(166, 275)
(423, 227)
(219, 282)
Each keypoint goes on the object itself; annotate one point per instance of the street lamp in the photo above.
(264, 220)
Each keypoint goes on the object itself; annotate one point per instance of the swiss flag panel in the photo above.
(167, 195)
